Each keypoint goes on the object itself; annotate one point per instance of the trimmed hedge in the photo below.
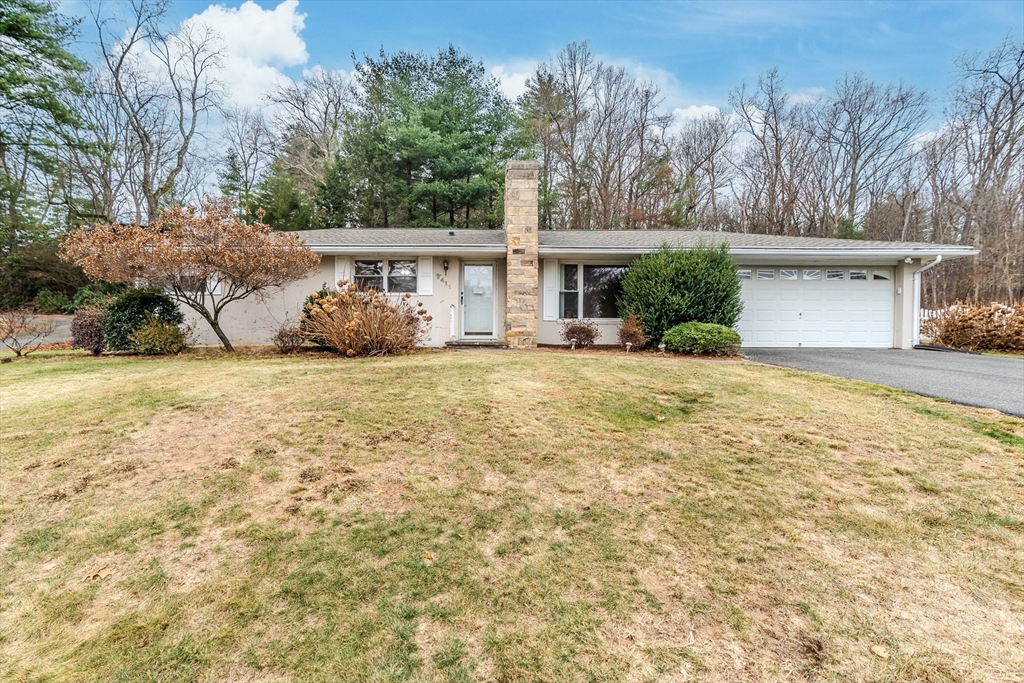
(702, 338)
(130, 311)
(672, 286)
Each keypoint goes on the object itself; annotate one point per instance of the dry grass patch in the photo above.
(501, 516)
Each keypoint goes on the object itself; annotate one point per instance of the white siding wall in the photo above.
(254, 321)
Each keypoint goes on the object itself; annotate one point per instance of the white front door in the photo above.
(478, 300)
(817, 306)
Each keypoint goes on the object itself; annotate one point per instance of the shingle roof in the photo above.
(401, 237)
(652, 239)
(625, 241)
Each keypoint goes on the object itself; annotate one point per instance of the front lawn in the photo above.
(500, 516)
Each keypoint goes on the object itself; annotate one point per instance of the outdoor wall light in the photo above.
(444, 264)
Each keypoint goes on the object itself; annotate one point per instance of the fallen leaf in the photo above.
(428, 557)
(101, 573)
(205, 476)
(880, 651)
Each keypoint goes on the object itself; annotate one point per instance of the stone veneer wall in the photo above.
(521, 220)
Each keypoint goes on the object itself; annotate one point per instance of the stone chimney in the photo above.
(521, 220)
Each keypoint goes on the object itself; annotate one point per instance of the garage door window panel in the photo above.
(834, 275)
(765, 274)
(858, 275)
(812, 274)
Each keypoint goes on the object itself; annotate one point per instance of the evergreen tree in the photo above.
(427, 143)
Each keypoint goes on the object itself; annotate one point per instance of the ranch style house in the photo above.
(515, 286)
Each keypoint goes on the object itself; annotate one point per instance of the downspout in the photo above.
(916, 339)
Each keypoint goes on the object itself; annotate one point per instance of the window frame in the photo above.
(841, 274)
(815, 278)
(765, 274)
(579, 291)
(795, 274)
(385, 267)
(865, 272)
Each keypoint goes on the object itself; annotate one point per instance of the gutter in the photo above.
(916, 339)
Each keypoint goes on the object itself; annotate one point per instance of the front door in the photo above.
(478, 300)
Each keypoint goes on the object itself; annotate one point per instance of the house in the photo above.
(516, 285)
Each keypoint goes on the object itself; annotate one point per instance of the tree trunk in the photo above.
(215, 324)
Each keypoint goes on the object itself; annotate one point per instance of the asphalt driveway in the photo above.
(982, 381)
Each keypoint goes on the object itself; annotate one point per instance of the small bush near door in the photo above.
(702, 338)
(632, 332)
(581, 333)
(357, 321)
(673, 286)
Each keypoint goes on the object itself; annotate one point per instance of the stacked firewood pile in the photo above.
(977, 327)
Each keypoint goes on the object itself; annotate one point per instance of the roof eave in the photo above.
(915, 252)
(414, 249)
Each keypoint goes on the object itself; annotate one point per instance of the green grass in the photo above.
(500, 516)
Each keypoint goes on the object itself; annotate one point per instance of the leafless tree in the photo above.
(250, 137)
(164, 85)
(700, 157)
(311, 119)
(603, 143)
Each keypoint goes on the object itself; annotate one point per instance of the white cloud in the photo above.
(257, 44)
(694, 111)
(807, 95)
(512, 77)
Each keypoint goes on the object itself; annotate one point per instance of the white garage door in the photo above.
(817, 306)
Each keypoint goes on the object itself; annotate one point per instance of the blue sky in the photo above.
(696, 51)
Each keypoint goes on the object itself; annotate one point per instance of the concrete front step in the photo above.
(477, 344)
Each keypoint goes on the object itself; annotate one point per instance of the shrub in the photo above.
(583, 332)
(51, 303)
(87, 330)
(632, 332)
(96, 294)
(131, 310)
(289, 338)
(703, 338)
(157, 338)
(363, 322)
(977, 327)
(672, 286)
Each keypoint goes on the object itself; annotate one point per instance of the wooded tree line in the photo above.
(420, 140)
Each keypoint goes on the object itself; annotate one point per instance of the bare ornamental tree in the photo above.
(206, 256)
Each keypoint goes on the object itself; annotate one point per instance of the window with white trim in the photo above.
(787, 274)
(401, 275)
(589, 291)
(812, 274)
(743, 274)
(881, 275)
(858, 275)
(835, 275)
(766, 275)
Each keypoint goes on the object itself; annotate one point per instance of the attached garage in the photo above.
(818, 306)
